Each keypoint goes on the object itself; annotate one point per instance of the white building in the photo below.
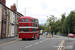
(11, 25)
(13, 22)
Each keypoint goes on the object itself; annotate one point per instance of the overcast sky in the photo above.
(40, 9)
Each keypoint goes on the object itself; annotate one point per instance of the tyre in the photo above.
(34, 36)
(38, 37)
(23, 39)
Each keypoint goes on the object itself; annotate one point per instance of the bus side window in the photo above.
(26, 29)
(31, 20)
(22, 30)
(36, 21)
(22, 20)
(34, 29)
(35, 25)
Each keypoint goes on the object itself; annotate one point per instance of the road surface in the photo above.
(44, 43)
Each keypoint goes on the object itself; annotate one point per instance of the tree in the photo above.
(57, 26)
(62, 21)
(41, 27)
(69, 23)
(46, 29)
(72, 26)
(51, 21)
(63, 18)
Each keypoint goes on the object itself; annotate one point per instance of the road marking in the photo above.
(28, 46)
(36, 43)
(9, 42)
(41, 41)
(44, 40)
(20, 49)
(61, 45)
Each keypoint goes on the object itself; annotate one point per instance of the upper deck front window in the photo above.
(36, 21)
(26, 20)
(22, 20)
(33, 20)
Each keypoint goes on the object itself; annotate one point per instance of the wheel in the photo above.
(38, 37)
(23, 39)
(34, 36)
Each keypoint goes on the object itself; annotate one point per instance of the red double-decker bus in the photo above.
(28, 28)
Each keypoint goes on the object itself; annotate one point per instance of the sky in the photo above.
(40, 9)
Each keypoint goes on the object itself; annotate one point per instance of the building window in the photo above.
(13, 16)
(4, 28)
(4, 12)
(2, 0)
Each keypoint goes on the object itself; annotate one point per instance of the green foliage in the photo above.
(59, 32)
(63, 18)
(44, 27)
(55, 25)
(40, 27)
(69, 23)
(61, 25)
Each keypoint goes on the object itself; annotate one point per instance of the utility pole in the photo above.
(68, 32)
(15, 26)
(25, 10)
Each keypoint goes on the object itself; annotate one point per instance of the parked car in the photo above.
(71, 35)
